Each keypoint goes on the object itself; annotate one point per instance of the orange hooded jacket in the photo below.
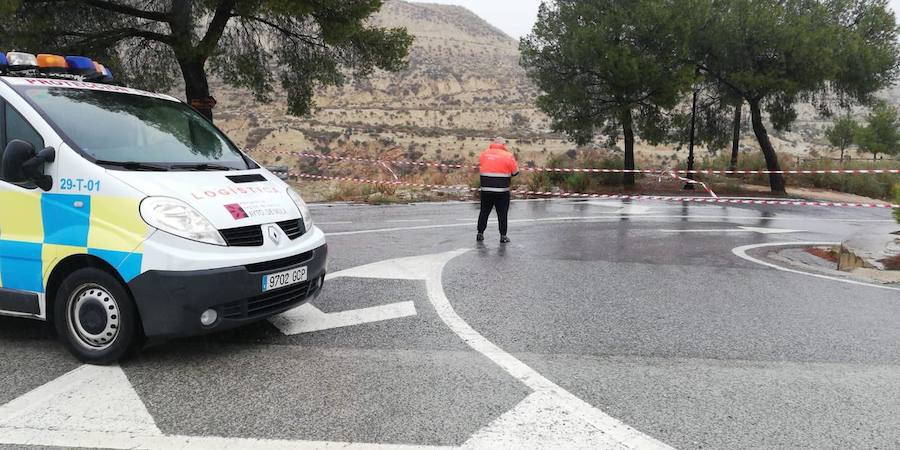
(497, 166)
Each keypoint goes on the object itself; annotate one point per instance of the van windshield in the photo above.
(136, 132)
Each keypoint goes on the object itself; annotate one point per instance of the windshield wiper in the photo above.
(200, 167)
(134, 165)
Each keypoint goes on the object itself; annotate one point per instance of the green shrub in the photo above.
(576, 181)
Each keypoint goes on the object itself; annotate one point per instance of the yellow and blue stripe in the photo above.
(41, 229)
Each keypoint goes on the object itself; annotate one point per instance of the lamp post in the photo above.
(690, 161)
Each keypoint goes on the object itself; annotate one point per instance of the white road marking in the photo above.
(333, 223)
(622, 208)
(97, 407)
(553, 413)
(89, 398)
(610, 217)
(741, 252)
(125, 440)
(736, 230)
(408, 221)
(307, 318)
(534, 423)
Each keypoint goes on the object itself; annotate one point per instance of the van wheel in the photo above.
(95, 317)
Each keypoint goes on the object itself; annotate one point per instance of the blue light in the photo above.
(3, 63)
(80, 65)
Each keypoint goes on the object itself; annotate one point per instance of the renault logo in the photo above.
(273, 235)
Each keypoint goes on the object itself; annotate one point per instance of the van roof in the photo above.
(75, 84)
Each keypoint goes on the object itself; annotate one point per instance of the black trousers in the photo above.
(489, 201)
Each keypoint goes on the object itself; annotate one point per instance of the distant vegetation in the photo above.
(874, 186)
(614, 68)
(881, 134)
(843, 134)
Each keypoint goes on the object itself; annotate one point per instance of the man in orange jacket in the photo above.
(497, 166)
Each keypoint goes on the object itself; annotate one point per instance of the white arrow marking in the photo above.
(736, 230)
(543, 420)
(97, 407)
(307, 318)
(88, 399)
(622, 208)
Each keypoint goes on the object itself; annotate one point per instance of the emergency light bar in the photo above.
(107, 74)
(51, 63)
(21, 61)
(80, 65)
(71, 67)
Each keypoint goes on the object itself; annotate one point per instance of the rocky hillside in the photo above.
(463, 86)
(457, 60)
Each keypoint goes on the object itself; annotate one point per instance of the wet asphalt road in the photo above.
(641, 310)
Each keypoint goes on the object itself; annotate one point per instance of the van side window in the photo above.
(17, 128)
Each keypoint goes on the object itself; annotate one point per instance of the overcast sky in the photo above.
(516, 17)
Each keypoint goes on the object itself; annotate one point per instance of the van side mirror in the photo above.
(21, 164)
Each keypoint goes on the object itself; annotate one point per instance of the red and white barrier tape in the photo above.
(793, 172)
(592, 170)
(610, 196)
(692, 181)
(460, 166)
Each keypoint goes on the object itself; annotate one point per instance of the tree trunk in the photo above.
(628, 131)
(776, 180)
(736, 136)
(196, 86)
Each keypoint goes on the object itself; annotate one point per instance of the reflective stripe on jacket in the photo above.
(497, 166)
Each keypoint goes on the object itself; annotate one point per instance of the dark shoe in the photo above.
(479, 237)
(504, 240)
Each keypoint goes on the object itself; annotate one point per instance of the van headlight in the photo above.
(178, 218)
(301, 205)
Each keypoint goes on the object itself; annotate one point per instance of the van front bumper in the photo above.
(170, 302)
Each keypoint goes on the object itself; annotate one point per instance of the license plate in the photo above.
(283, 279)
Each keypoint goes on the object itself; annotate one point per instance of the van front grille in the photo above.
(243, 237)
(281, 264)
(292, 228)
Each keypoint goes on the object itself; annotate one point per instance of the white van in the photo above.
(127, 215)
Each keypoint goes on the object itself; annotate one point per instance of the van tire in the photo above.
(95, 317)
